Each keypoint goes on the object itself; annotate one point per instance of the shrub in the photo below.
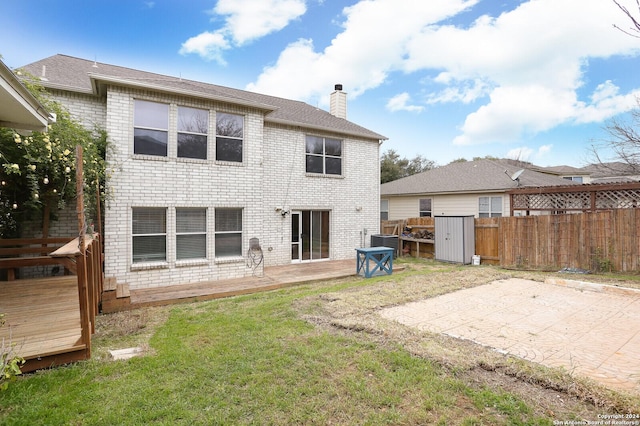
(10, 363)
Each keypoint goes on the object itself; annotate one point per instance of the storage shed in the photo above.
(455, 238)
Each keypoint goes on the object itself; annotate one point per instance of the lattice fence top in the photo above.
(588, 197)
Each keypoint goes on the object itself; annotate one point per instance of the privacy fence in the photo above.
(596, 241)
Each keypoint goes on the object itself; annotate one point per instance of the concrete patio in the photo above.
(588, 329)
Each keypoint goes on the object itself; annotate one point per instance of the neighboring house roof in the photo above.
(80, 75)
(19, 109)
(469, 176)
(612, 172)
(563, 170)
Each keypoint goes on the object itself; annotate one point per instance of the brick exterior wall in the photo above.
(88, 110)
(272, 175)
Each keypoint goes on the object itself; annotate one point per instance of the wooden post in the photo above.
(83, 296)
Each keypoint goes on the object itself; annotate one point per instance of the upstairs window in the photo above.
(193, 126)
(150, 128)
(425, 207)
(229, 137)
(149, 229)
(191, 233)
(490, 207)
(228, 232)
(323, 155)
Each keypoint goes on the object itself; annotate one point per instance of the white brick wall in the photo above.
(271, 176)
(89, 110)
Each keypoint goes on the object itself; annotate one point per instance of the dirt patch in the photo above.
(127, 329)
(551, 392)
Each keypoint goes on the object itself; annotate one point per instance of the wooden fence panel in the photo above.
(595, 241)
(607, 240)
(486, 239)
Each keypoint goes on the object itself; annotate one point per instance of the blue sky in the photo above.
(446, 79)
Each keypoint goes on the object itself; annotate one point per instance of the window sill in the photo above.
(229, 163)
(233, 259)
(322, 175)
(191, 262)
(191, 160)
(146, 266)
(147, 157)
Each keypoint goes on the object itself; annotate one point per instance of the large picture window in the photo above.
(490, 207)
(323, 155)
(149, 229)
(229, 137)
(150, 128)
(191, 233)
(228, 234)
(193, 126)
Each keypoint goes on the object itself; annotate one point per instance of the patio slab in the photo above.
(588, 329)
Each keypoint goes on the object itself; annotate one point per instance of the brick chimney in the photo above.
(338, 102)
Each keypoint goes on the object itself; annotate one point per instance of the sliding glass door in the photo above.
(309, 235)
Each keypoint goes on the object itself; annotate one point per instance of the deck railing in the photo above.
(84, 261)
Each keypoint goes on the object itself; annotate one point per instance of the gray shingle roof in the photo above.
(469, 176)
(80, 75)
(562, 170)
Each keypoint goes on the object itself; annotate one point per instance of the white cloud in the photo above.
(516, 110)
(361, 56)
(246, 21)
(399, 103)
(208, 45)
(524, 68)
(465, 92)
(606, 101)
(525, 153)
(544, 150)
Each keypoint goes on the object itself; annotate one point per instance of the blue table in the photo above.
(380, 257)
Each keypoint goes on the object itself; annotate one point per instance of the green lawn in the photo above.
(256, 360)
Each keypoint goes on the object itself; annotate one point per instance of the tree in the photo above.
(37, 170)
(458, 160)
(623, 141)
(624, 136)
(635, 30)
(392, 167)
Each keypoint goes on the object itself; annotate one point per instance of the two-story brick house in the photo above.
(199, 171)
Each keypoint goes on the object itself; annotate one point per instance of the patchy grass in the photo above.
(554, 392)
(310, 354)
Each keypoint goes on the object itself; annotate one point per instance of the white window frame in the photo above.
(578, 179)
(324, 156)
(428, 213)
(239, 140)
(491, 211)
(135, 236)
(193, 132)
(192, 232)
(142, 126)
(218, 233)
(384, 209)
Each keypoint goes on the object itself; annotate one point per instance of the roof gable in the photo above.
(67, 73)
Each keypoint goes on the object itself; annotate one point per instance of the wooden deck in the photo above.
(274, 277)
(42, 320)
